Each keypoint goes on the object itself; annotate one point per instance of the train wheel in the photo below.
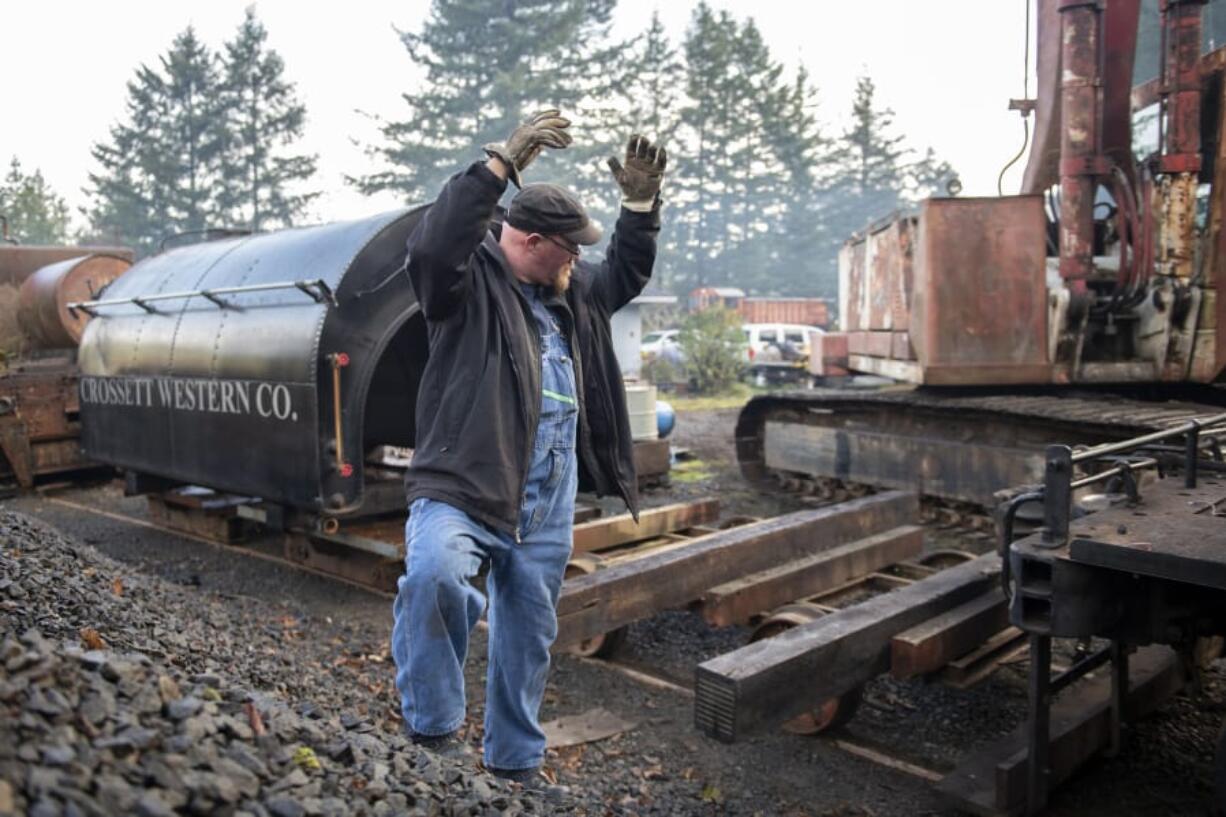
(831, 713)
(601, 646)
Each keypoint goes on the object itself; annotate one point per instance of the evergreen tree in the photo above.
(702, 169)
(261, 114)
(651, 89)
(36, 215)
(874, 154)
(752, 148)
(807, 161)
(159, 171)
(489, 65)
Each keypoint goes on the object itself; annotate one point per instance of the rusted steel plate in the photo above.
(736, 602)
(879, 258)
(768, 682)
(599, 534)
(607, 599)
(880, 344)
(980, 291)
(900, 346)
(828, 353)
(852, 310)
(993, 780)
(931, 645)
(1042, 163)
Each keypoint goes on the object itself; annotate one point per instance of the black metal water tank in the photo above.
(222, 364)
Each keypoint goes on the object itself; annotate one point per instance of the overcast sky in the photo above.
(946, 68)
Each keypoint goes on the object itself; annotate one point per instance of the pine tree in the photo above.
(701, 169)
(35, 213)
(807, 161)
(874, 153)
(651, 87)
(748, 158)
(489, 65)
(261, 113)
(159, 172)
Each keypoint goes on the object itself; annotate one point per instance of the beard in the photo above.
(561, 281)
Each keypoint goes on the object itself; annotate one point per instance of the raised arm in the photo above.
(440, 249)
(632, 249)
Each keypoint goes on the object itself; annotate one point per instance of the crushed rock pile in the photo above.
(125, 694)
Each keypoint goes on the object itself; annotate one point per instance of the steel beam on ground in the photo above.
(931, 645)
(994, 780)
(739, 600)
(607, 599)
(767, 682)
(599, 534)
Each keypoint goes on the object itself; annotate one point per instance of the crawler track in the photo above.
(949, 446)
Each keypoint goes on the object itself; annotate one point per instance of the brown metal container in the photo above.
(803, 311)
(19, 261)
(979, 308)
(43, 301)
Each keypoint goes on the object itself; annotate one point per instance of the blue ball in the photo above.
(666, 418)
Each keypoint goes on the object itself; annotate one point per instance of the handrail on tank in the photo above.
(317, 289)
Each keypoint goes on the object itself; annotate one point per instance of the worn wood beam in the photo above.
(767, 682)
(737, 601)
(625, 592)
(928, 646)
(599, 534)
(993, 780)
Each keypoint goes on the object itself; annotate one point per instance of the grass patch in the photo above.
(736, 398)
(690, 471)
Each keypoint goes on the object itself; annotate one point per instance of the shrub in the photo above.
(713, 342)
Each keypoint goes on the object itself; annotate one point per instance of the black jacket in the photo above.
(480, 395)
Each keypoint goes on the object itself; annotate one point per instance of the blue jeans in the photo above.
(436, 606)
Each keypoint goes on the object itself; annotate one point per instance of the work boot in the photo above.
(449, 746)
(532, 780)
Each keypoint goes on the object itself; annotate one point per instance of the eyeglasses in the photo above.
(573, 251)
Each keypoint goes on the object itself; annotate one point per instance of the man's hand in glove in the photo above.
(642, 174)
(545, 130)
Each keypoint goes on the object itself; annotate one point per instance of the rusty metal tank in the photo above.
(19, 261)
(263, 365)
(43, 299)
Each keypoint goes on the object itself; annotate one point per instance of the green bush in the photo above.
(661, 372)
(713, 344)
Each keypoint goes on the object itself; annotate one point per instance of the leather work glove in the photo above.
(642, 175)
(545, 130)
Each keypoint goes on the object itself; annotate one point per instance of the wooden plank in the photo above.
(767, 682)
(607, 599)
(931, 645)
(966, 671)
(599, 534)
(651, 459)
(993, 780)
(737, 601)
(586, 513)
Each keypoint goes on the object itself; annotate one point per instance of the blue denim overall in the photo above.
(437, 607)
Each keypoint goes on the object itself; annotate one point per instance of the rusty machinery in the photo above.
(39, 424)
(1057, 314)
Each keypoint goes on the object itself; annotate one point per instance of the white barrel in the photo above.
(641, 402)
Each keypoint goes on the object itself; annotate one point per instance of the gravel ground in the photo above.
(310, 655)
